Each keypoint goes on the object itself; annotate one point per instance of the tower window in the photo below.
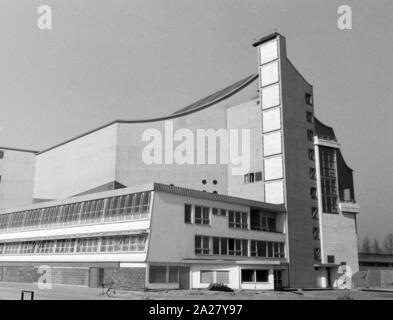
(312, 173)
(311, 154)
(310, 135)
(328, 180)
(315, 233)
(314, 213)
(313, 193)
(308, 98)
(1, 154)
(309, 117)
(330, 259)
(317, 254)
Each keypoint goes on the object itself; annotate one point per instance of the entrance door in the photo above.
(184, 278)
(329, 278)
(277, 279)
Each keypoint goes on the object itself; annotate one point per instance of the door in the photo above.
(329, 278)
(184, 278)
(277, 279)
(94, 277)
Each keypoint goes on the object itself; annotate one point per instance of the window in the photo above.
(216, 245)
(248, 275)
(312, 173)
(313, 193)
(310, 135)
(173, 274)
(92, 211)
(207, 276)
(314, 213)
(87, 245)
(46, 246)
(187, 213)
(255, 275)
(262, 275)
(65, 246)
(223, 212)
(27, 247)
(214, 182)
(315, 233)
(204, 181)
(317, 254)
(157, 274)
(238, 220)
(311, 154)
(328, 180)
(253, 177)
(1, 154)
(237, 247)
(309, 117)
(222, 277)
(0, 178)
(202, 215)
(267, 249)
(202, 245)
(262, 221)
(308, 98)
(330, 259)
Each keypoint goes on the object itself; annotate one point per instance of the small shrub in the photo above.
(219, 287)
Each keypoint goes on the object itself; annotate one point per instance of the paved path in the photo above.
(12, 291)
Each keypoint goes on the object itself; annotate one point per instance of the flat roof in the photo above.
(192, 193)
(158, 187)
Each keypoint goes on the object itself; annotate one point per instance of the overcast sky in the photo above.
(124, 59)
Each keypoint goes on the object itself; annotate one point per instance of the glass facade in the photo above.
(328, 179)
(126, 243)
(112, 209)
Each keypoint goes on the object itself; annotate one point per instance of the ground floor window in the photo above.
(255, 275)
(163, 274)
(207, 276)
(215, 276)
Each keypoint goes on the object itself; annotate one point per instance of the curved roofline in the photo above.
(20, 150)
(317, 121)
(244, 84)
(343, 159)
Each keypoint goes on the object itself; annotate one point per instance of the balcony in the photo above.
(349, 207)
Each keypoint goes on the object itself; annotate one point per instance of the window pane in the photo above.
(187, 213)
(262, 276)
(222, 277)
(247, 275)
(173, 274)
(206, 276)
(157, 274)
(216, 245)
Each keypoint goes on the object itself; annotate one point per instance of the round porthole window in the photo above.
(214, 182)
(203, 181)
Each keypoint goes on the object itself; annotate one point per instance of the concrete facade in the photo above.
(17, 171)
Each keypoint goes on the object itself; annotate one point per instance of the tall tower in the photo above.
(288, 154)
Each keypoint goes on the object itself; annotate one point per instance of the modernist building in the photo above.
(98, 210)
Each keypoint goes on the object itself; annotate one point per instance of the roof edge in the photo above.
(163, 118)
(20, 150)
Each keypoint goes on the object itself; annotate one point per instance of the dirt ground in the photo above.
(12, 291)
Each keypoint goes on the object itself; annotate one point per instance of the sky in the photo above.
(126, 59)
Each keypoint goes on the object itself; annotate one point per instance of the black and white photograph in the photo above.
(209, 151)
